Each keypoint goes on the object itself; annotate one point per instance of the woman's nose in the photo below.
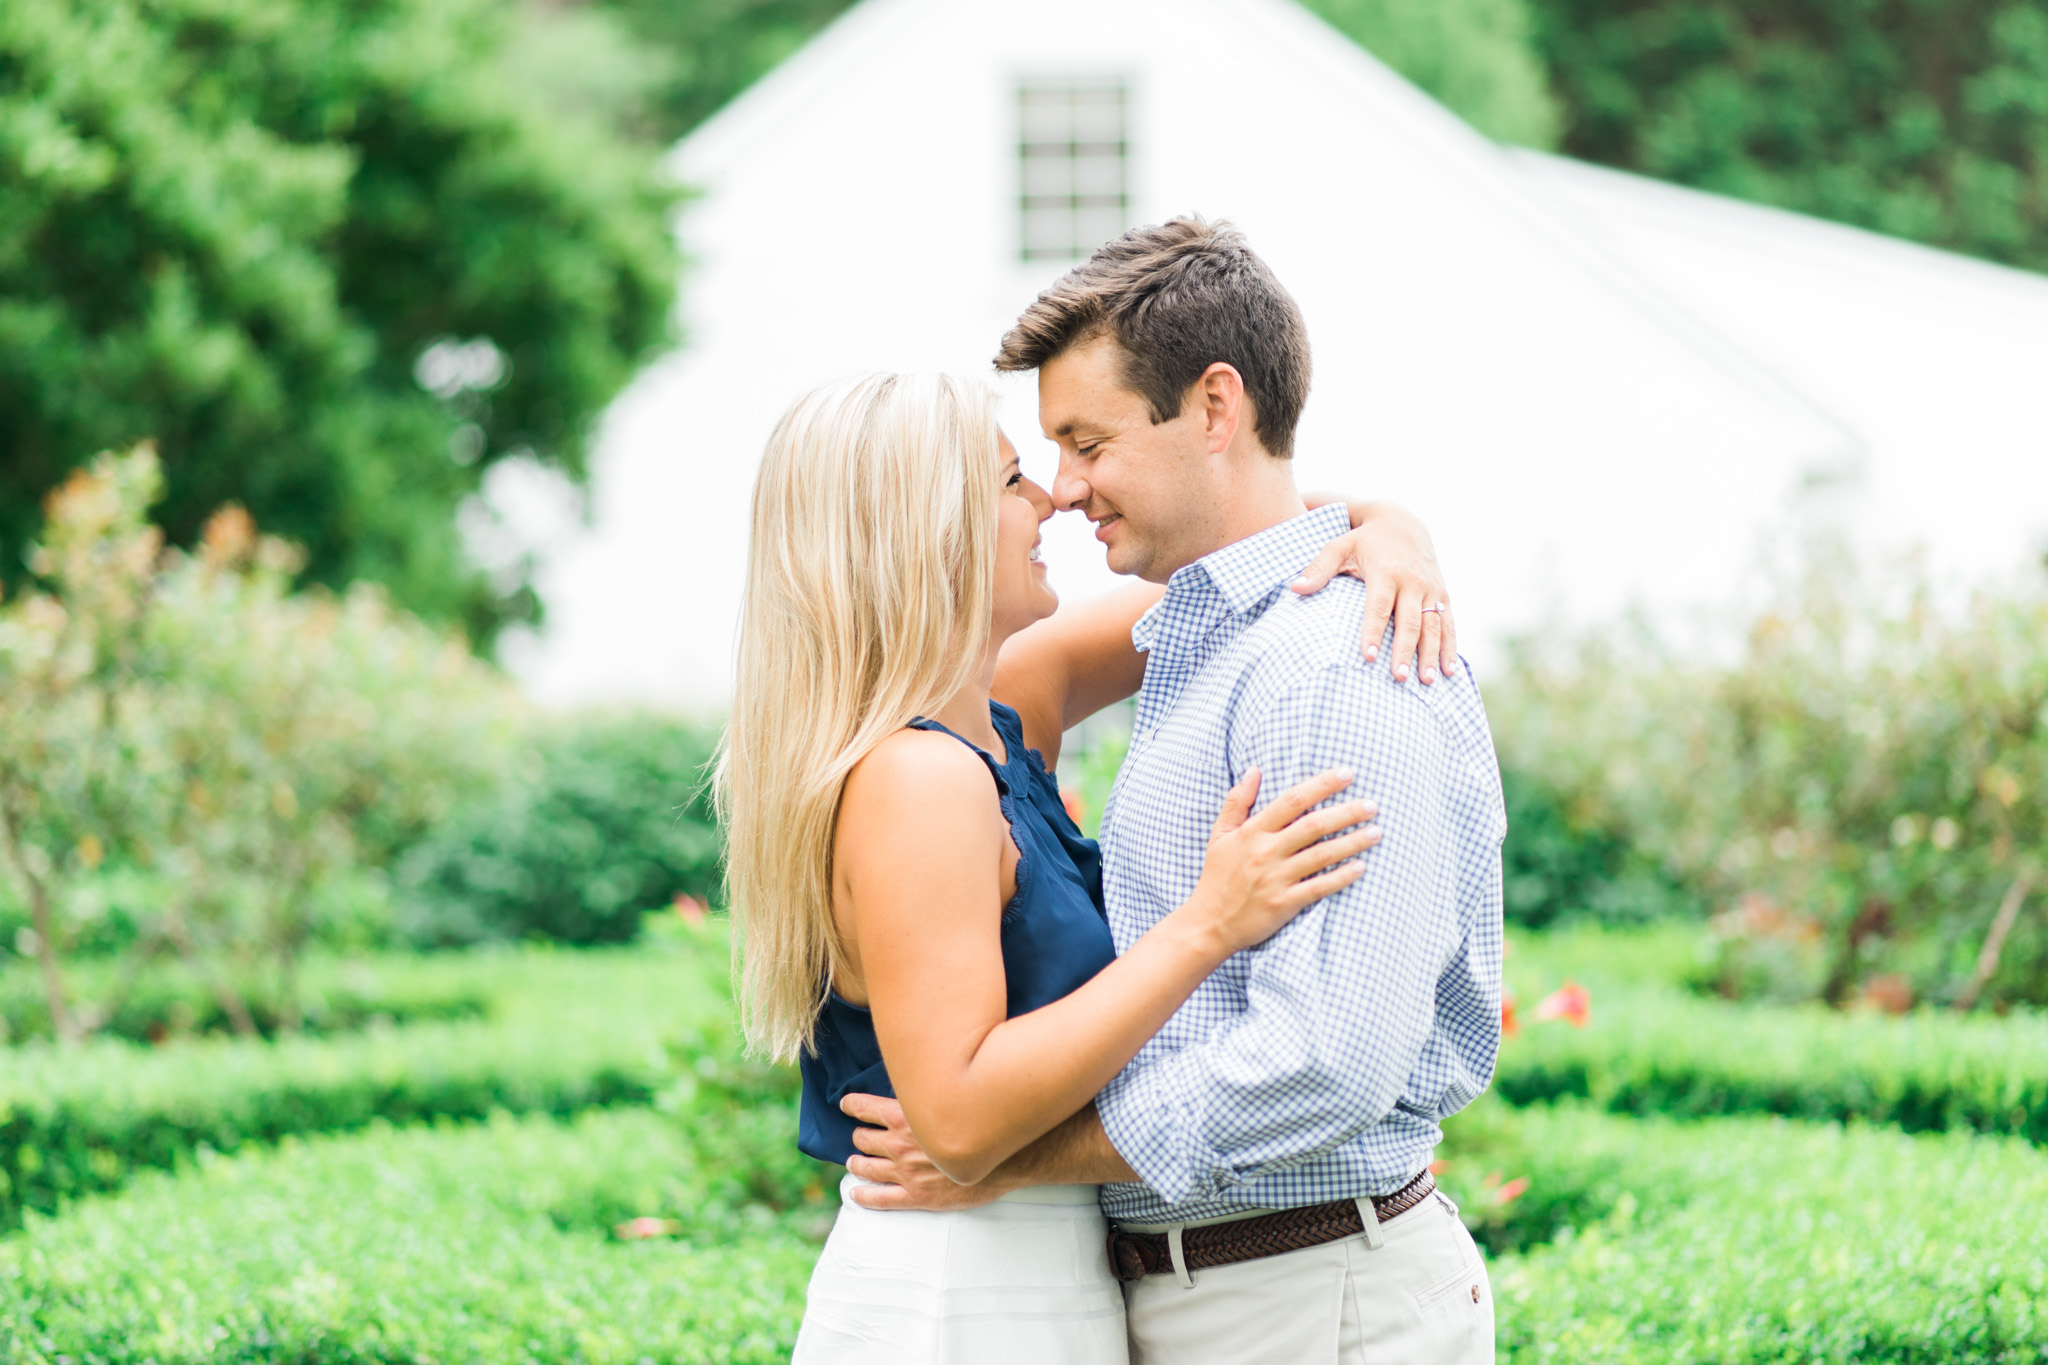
(1040, 500)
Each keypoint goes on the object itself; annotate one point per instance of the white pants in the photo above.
(1418, 1298)
(1025, 1280)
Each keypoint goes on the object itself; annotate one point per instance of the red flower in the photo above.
(639, 1229)
(1513, 1190)
(1071, 799)
(1508, 1027)
(1569, 1002)
(689, 909)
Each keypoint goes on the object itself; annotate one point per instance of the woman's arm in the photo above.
(920, 850)
(1079, 660)
(1072, 664)
(1390, 551)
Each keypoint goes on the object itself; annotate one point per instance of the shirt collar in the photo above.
(1243, 573)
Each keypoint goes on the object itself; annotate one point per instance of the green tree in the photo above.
(1927, 121)
(1475, 56)
(327, 254)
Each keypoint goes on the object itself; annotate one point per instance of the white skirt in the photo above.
(1025, 1279)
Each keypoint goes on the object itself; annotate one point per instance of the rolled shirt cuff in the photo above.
(1153, 1131)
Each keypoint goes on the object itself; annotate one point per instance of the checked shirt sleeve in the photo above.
(1340, 1004)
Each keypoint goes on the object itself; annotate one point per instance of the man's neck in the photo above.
(1258, 502)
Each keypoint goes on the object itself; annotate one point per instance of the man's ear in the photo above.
(1218, 398)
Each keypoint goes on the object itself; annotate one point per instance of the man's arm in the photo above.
(1077, 1152)
(1339, 1004)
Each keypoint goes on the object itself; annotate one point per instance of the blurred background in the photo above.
(380, 385)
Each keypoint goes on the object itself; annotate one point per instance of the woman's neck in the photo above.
(966, 711)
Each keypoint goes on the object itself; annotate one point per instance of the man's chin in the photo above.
(1125, 559)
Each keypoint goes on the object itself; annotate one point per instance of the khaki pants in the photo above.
(1420, 1297)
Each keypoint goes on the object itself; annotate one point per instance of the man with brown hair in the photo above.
(1264, 1159)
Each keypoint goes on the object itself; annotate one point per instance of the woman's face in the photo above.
(1022, 594)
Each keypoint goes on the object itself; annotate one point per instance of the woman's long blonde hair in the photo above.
(870, 589)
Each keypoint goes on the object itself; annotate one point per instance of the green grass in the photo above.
(564, 1031)
(1654, 1047)
(450, 1244)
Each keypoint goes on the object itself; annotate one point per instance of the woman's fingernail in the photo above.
(1400, 673)
(1372, 653)
(1429, 675)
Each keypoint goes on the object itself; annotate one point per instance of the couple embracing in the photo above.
(1172, 1098)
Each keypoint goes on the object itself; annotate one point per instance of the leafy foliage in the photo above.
(1475, 56)
(165, 1001)
(239, 749)
(562, 1032)
(254, 229)
(1558, 867)
(1859, 790)
(711, 50)
(1758, 1241)
(613, 821)
(1925, 121)
(470, 1244)
(1653, 1047)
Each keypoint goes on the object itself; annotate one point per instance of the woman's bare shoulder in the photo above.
(921, 777)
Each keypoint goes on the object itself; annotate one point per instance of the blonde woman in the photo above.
(917, 914)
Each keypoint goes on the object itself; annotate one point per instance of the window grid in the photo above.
(1073, 153)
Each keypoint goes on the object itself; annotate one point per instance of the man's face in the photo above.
(1145, 487)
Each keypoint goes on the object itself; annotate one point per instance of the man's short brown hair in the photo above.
(1178, 298)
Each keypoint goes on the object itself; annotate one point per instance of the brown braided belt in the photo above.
(1134, 1255)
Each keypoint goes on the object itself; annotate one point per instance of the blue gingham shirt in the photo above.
(1317, 1065)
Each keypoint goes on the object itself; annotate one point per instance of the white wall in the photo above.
(1572, 435)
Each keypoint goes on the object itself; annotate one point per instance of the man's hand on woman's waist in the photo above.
(1077, 1152)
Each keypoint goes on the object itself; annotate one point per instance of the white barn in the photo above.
(1595, 388)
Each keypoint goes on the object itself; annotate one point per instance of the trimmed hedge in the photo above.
(567, 1031)
(1734, 1241)
(1762, 1240)
(169, 1002)
(449, 1244)
(1654, 1048)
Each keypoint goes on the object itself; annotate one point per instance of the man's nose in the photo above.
(1070, 488)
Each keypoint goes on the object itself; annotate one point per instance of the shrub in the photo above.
(1862, 790)
(613, 821)
(566, 1032)
(167, 1001)
(1652, 1047)
(455, 1244)
(1558, 867)
(1742, 1241)
(240, 751)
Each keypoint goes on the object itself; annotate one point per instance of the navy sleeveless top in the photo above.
(1055, 936)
